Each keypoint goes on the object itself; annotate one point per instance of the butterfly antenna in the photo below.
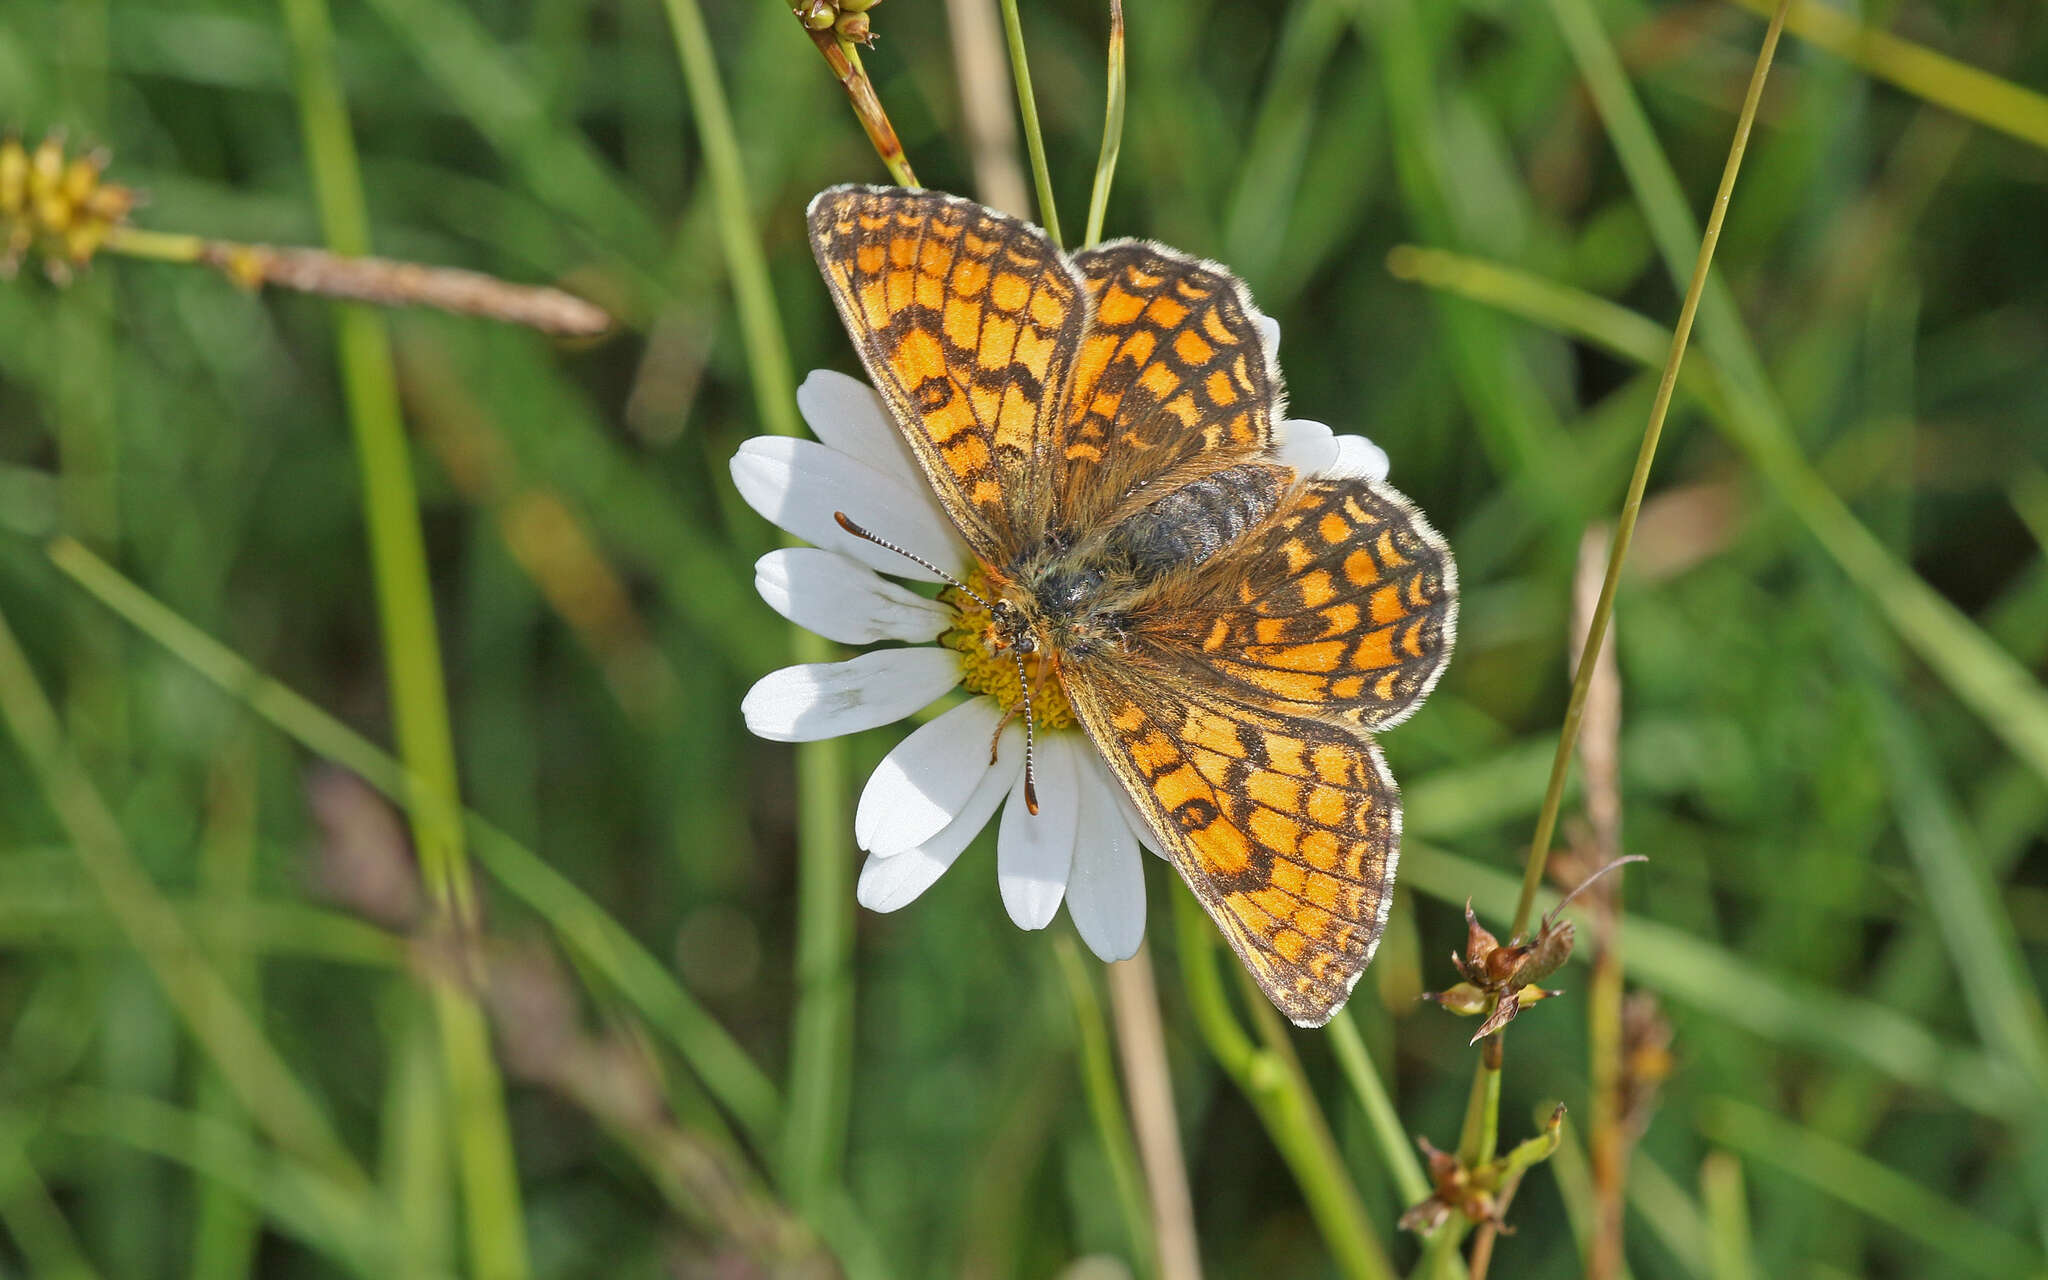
(847, 524)
(1030, 783)
(1023, 681)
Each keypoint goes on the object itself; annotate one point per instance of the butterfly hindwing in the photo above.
(968, 322)
(1287, 828)
(1343, 604)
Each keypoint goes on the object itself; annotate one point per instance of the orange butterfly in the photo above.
(1103, 428)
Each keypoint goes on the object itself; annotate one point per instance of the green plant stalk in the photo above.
(486, 1166)
(1387, 1132)
(727, 1072)
(1479, 1137)
(1272, 1082)
(1482, 1115)
(813, 1143)
(1027, 106)
(1112, 128)
(260, 1079)
(1625, 525)
(1106, 1106)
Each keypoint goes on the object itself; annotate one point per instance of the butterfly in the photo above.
(1103, 428)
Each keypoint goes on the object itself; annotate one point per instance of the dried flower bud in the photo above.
(1463, 999)
(855, 27)
(817, 14)
(1553, 946)
(1480, 946)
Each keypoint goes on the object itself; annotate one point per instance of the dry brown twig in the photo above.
(58, 206)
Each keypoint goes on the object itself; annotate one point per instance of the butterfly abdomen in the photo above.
(1192, 523)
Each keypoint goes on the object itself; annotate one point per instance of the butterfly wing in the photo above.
(968, 322)
(1343, 605)
(1287, 828)
(1173, 380)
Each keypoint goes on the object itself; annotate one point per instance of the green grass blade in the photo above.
(1980, 673)
(412, 654)
(1933, 77)
(261, 1080)
(1886, 1196)
(724, 1067)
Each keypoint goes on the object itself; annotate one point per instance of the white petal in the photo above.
(846, 414)
(1358, 459)
(1269, 329)
(799, 484)
(825, 592)
(1035, 850)
(892, 882)
(919, 787)
(1309, 447)
(1106, 887)
(826, 699)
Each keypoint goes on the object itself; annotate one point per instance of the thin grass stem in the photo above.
(1106, 1107)
(1141, 1038)
(1380, 1116)
(1027, 106)
(1624, 528)
(1112, 127)
(843, 57)
(483, 1140)
(1933, 77)
(814, 1129)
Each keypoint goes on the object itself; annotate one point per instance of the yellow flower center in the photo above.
(985, 669)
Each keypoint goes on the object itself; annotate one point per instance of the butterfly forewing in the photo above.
(968, 322)
(1173, 377)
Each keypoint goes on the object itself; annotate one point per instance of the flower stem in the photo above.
(1380, 1114)
(1027, 106)
(1134, 996)
(489, 1176)
(820, 1067)
(1272, 1081)
(1624, 529)
(843, 58)
(1105, 1104)
(1112, 126)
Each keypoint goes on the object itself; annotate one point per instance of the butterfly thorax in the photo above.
(1073, 592)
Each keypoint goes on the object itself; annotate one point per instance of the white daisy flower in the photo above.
(942, 784)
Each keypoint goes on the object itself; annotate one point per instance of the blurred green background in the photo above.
(1833, 746)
